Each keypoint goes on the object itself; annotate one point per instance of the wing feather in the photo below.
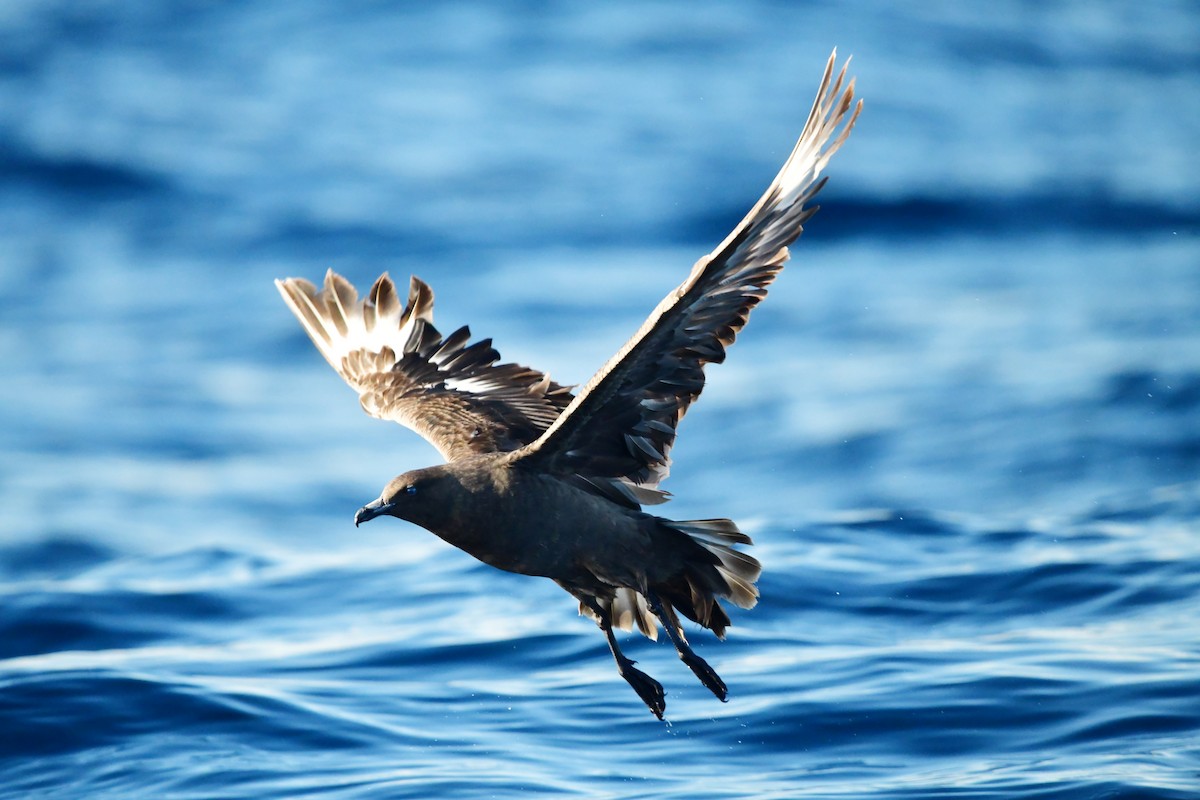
(619, 430)
(452, 393)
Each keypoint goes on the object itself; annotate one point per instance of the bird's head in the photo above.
(413, 496)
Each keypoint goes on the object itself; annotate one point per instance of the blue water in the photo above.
(964, 429)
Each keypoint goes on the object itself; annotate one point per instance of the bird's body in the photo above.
(528, 522)
(543, 482)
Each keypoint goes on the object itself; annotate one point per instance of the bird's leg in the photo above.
(707, 675)
(648, 689)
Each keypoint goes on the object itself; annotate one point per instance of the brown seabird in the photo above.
(543, 482)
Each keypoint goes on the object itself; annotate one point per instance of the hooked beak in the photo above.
(370, 511)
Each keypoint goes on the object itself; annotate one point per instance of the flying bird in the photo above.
(542, 481)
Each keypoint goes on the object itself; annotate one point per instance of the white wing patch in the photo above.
(473, 385)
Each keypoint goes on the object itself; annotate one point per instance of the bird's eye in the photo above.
(411, 489)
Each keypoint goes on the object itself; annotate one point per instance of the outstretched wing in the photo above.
(451, 392)
(616, 436)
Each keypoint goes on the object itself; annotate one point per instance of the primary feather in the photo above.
(452, 393)
(616, 435)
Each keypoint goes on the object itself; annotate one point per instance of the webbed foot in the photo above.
(707, 675)
(650, 690)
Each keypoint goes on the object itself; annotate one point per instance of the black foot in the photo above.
(648, 689)
(707, 675)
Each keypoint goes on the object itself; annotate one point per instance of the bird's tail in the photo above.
(711, 570)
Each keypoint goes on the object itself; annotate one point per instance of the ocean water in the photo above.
(964, 429)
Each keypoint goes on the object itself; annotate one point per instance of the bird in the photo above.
(546, 481)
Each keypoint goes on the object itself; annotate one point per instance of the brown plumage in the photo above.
(542, 482)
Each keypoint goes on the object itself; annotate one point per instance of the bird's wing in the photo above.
(451, 392)
(616, 435)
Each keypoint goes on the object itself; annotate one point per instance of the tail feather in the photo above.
(712, 570)
(737, 570)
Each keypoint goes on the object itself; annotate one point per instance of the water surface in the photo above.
(964, 429)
